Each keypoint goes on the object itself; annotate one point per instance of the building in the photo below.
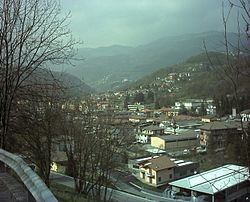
(160, 170)
(184, 168)
(153, 130)
(136, 107)
(169, 112)
(217, 133)
(137, 119)
(175, 142)
(157, 171)
(208, 118)
(245, 115)
(196, 104)
(226, 183)
(145, 133)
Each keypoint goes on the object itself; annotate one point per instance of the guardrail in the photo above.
(31, 180)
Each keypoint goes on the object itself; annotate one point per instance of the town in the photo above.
(124, 101)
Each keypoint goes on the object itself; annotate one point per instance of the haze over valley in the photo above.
(117, 65)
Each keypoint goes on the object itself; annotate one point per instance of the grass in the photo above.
(66, 194)
(146, 186)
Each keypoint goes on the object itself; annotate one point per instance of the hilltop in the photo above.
(108, 68)
(71, 85)
(199, 76)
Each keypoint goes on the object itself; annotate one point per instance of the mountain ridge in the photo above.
(107, 68)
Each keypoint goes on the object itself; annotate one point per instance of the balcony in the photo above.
(149, 175)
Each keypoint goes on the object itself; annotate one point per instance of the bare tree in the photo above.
(37, 125)
(33, 34)
(237, 53)
(237, 67)
(92, 144)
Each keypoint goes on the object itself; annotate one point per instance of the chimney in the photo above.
(233, 112)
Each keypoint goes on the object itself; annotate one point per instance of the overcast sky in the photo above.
(134, 22)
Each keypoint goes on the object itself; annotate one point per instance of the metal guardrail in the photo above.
(31, 180)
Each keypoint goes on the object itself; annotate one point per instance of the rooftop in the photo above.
(159, 163)
(219, 125)
(172, 138)
(247, 111)
(215, 180)
(152, 127)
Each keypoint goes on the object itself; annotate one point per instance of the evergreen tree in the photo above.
(202, 110)
(126, 101)
(183, 110)
(150, 97)
(157, 104)
(139, 97)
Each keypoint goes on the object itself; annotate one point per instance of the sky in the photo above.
(134, 22)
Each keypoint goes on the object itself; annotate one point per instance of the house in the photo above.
(58, 156)
(226, 183)
(137, 118)
(184, 168)
(217, 133)
(190, 104)
(175, 142)
(149, 112)
(208, 118)
(136, 107)
(153, 130)
(145, 133)
(169, 112)
(159, 170)
(103, 105)
(142, 137)
(245, 115)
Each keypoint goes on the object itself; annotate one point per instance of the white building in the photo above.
(197, 103)
(245, 115)
(146, 132)
(226, 183)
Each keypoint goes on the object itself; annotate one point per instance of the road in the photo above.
(116, 195)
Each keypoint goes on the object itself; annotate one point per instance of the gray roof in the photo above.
(213, 181)
(159, 163)
(172, 138)
(247, 111)
(219, 125)
(152, 127)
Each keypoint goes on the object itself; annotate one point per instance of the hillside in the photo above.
(107, 68)
(195, 78)
(71, 85)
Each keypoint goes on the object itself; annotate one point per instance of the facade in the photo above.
(245, 115)
(153, 130)
(217, 133)
(169, 112)
(188, 104)
(175, 142)
(137, 119)
(184, 169)
(208, 118)
(136, 107)
(196, 104)
(157, 171)
(226, 183)
(143, 138)
(145, 133)
(160, 170)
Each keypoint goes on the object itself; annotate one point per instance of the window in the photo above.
(170, 176)
(62, 147)
(159, 179)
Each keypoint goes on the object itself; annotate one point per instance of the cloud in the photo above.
(134, 22)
